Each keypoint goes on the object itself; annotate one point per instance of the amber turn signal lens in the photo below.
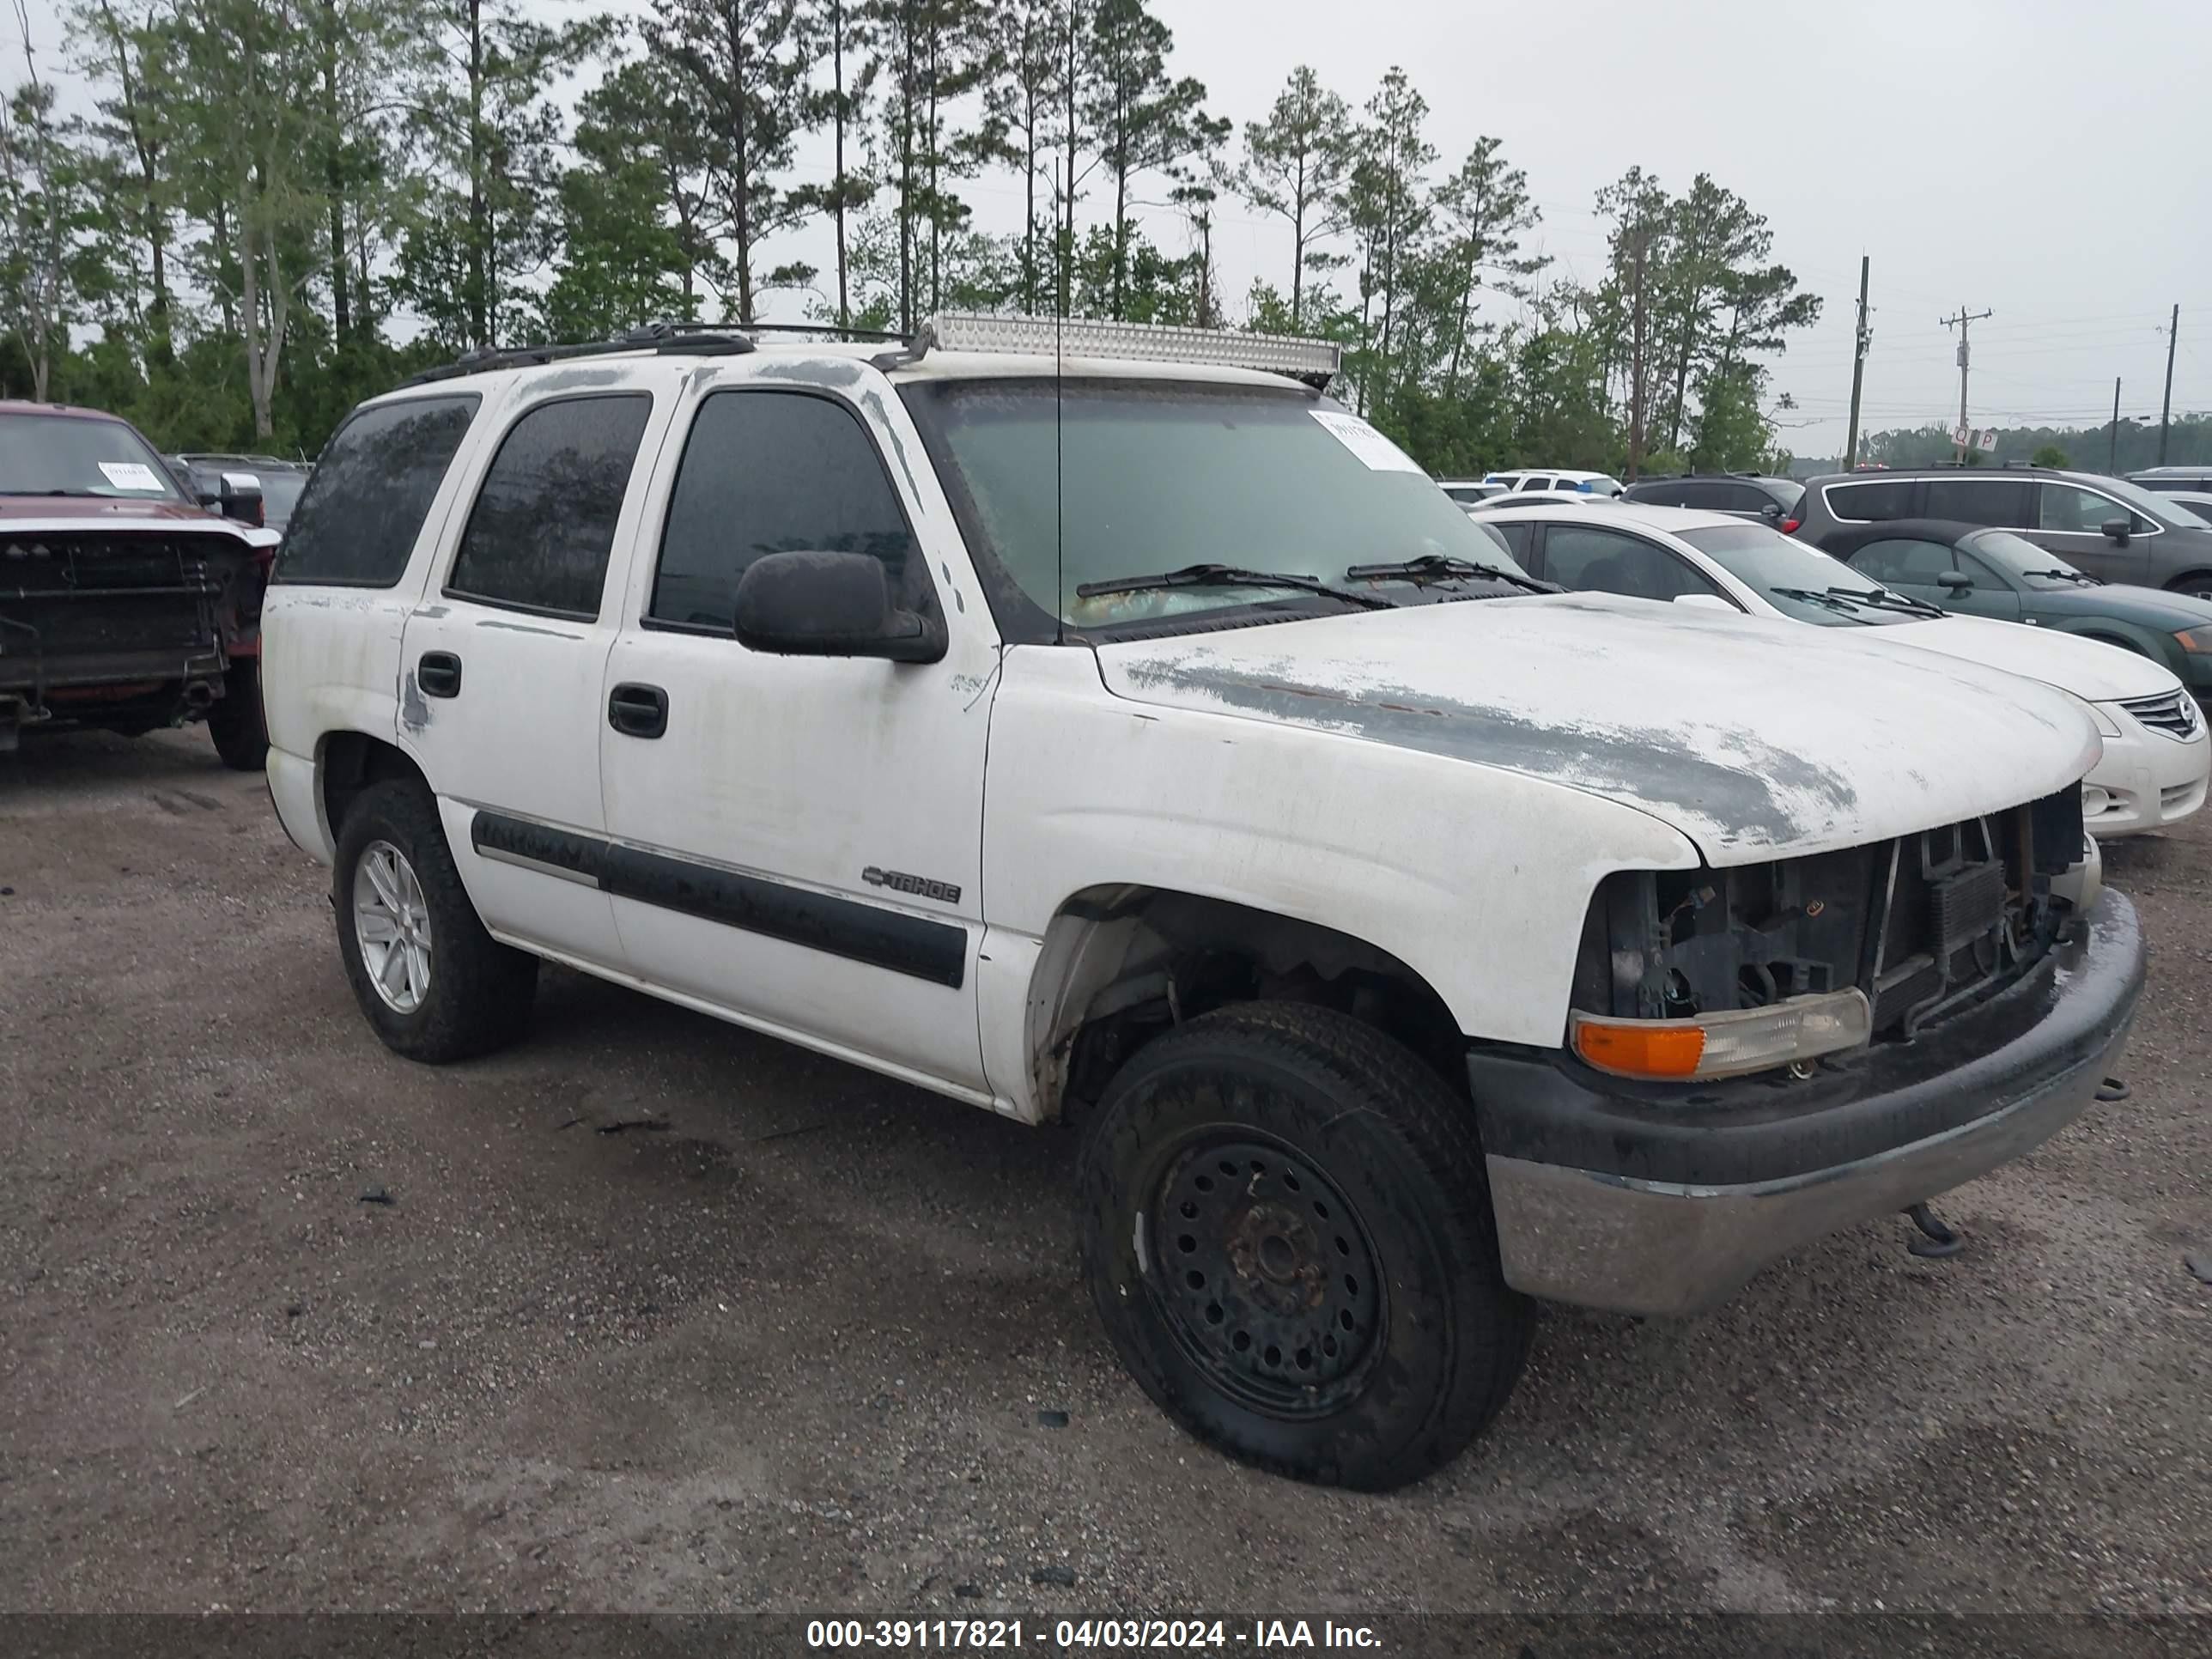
(2194, 642)
(1641, 1049)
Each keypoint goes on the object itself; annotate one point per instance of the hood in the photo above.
(2092, 672)
(1752, 737)
(58, 514)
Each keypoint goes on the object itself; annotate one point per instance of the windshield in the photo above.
(280, 493)
(2155, 507)
(1164, 476)
(2022, 560)
(1769, 563)
(71, 455)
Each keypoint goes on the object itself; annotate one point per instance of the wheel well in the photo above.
(351, 762)
(2201, 577)
(1123, 964)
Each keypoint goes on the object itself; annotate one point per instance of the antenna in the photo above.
(1058, 484)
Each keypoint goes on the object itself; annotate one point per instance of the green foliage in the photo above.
(269, 209)
(1298, 164)
(2094, 449)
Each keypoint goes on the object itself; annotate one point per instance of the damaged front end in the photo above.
(122, 629)
(1694, 975)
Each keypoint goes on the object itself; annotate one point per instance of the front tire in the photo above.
(1287, 1232)
(431, 981)
(236, 721)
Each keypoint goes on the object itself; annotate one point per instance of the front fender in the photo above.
(2160, 648)
(1476, 878)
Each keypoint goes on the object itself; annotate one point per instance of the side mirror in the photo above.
(240, 498)
(2117, 529)
(1954, 581)
(829, 604)
(1704, 601)
(1771, 511)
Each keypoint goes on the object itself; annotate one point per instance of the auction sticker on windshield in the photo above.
(1378, 452)
(135, 475)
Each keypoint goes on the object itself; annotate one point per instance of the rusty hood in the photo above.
(1754, 738)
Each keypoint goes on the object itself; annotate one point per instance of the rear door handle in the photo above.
(638, 711)
(439, 674)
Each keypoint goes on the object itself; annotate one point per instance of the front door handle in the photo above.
(439, 674)
(638, 711)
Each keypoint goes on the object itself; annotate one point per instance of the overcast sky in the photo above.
(2047, 161)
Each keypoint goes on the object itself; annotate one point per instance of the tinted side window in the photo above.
(775, 472)
(369, 495)
(1708, 495)
(1904, 564)
(543, 522)
(1518, 536)
(1575, 556)
(1999, 501)
(1891, 498)
(1535, 483)
(1674, 492)
(2066, 507)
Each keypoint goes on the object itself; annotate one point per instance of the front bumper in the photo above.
(2145, 782)
(1668, 1200)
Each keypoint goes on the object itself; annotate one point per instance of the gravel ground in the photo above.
(794, 1352)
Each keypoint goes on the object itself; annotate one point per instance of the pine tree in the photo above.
(1146, 121)
(1296, 163)
(744, 67)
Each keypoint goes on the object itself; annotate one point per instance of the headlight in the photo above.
(2195, 640)
(2108, 724)
(1725, 1044)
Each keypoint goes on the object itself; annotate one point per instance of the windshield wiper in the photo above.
(2058, 575)
(1813, 596)
(1230, 576)
(90, 494)
(1882, 599)
(1438, 567)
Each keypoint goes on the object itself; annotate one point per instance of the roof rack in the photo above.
(663, 339)
(1312, 362)
(834, 330)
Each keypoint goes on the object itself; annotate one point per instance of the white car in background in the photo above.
(2157, 754)
(1552, 477)
(1538, 498)
(1467, 491)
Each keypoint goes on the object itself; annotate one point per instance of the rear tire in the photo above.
(471, 994)
(1287, 1231)
(236, 722)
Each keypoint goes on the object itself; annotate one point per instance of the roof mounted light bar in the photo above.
(1315, 362)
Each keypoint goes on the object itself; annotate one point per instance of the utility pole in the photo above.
(2112, 454)
(1960, 322)
(2166, 409)
(1858, 370)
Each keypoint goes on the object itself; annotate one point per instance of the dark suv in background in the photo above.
(2111, 528)
(1745, 494)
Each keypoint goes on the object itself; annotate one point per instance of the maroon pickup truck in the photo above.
(125, 603)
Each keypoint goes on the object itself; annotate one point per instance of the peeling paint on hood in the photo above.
(1754, 738)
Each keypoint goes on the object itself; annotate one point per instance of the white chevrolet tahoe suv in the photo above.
(1115, 729)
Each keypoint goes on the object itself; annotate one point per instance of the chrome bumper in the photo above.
(2017, 1071)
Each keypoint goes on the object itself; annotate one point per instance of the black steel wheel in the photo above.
(1267, 1280)
(1286, 1230)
